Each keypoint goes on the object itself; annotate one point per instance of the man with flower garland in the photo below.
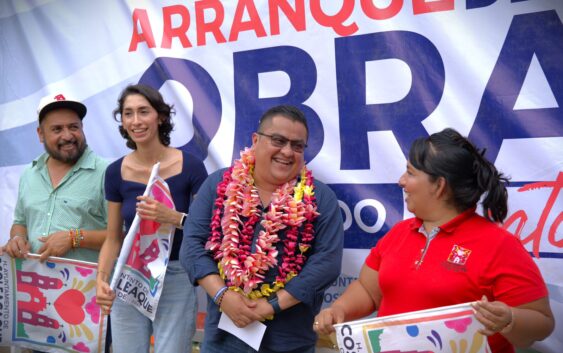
(264, 239)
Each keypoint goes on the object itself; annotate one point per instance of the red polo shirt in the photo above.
(469, 257)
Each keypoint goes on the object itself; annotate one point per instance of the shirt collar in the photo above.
(432, 233)
(448, 227)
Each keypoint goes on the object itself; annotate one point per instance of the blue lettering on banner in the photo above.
(369, 211)
(300, 68)
(205, 95)
(404, 117)
(474, 4)
(337, 288)
(536, 33)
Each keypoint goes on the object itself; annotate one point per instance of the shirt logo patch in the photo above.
(459, 255)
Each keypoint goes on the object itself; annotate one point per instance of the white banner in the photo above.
(141, 267)
(446, 329)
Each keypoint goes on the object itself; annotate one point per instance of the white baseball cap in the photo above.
(59, 101)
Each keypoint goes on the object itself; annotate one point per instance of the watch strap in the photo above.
(274, 302)
(183, 220)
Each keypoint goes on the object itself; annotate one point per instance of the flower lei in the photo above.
(236, 213)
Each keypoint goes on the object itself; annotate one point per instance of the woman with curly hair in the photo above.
(146, 125)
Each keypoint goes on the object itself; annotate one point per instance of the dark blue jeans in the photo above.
(231, 344)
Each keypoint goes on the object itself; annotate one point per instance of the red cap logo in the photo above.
(59, 97)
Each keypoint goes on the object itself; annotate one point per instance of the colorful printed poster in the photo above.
(50, 306)
(141, 266)
(446, 329)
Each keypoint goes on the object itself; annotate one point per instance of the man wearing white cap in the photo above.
(60, 209)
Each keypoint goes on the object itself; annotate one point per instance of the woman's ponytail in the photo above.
(493, 183)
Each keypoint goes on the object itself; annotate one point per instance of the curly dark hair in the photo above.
(153, 96)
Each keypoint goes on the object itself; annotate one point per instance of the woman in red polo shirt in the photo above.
(448, 254)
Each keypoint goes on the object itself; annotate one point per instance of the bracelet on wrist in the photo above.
(218, 298)
(104, 274)
(71, 236)
(510, 324)
(79, 237)
(76, 237)
(18, 236)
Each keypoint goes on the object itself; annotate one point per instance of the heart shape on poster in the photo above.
(459, 325)
(148, 227)
(70, 306)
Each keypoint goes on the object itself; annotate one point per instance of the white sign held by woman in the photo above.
(141, 266)
(448, 328)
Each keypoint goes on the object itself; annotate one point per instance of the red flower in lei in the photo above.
(236, 213)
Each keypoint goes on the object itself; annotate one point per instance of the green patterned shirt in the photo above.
(77, 202)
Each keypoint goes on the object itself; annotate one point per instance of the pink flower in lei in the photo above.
(234, 219)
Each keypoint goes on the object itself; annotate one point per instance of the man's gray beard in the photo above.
(67, 159)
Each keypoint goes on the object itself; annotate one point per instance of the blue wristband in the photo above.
(218, 294)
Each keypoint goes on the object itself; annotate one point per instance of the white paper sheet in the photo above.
(251, 334)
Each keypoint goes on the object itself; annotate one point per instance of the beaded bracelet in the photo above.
(76, 236)
(71, 236)
(218, 298)
(79, 237)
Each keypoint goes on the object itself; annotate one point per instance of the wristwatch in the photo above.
(183, 220)
(273, 301)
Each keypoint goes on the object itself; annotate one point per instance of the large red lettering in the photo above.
(168, 32)
(425, 6)
(295, 16)
(254, 24)
(535, 236)
(213, 27)
(335, 21)
(377, 13)
(553, 231)
(141, 18)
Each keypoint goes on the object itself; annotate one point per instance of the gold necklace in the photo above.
(150, 164)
